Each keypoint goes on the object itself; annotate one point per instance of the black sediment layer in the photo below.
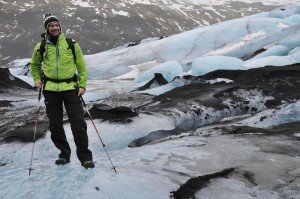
(193, 185)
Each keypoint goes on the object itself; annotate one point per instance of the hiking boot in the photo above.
(62, 161)
(88, 164)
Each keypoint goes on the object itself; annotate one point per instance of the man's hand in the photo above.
(81, 91)
(39, 84)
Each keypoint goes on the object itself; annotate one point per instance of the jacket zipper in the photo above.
(57, 54)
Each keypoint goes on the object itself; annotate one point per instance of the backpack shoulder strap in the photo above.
(70, 44)
(72, 47)
(42, 49)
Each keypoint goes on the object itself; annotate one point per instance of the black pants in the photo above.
(54, 107)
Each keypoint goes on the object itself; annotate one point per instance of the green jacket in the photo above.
(58, 63)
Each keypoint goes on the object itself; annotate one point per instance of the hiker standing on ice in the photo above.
(54, 66)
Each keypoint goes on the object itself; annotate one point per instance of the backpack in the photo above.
(70, 43)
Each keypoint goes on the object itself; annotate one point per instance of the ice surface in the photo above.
(293, 40)
(178, 83)
(254, 97)
(18, 63)
(273, 61)
(297, 49)
(169, 70)
(136, 70)
(99, 89)
(118, 136)
(243, 48)
(16, 71)
(282, 13)
(213, 81)
(239, 33)
(137, 168)
(234, 189)
(269, 61)
(297, 11)
(165, 88)
(272, 117)
(243, 36)
(21, 72)
(205, 65)
(294, 18)
(296, 57)
(277, 50)
(149, 40)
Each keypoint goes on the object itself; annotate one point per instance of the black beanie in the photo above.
(49, 18)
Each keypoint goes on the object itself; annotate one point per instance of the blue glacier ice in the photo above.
(296, 57)
(292, 40)
(169, 70)
(165, 88)
(297, 11)
(243, 36)
(294, 18)
(205, 65)
(269, 61)
(294, 50)
(277, 50)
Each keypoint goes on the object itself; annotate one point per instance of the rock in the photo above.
(158, 80)
(152, 136)
(25, 134)
(117, 114)
(8, 80)
(195, 184)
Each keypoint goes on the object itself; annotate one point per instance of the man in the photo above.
(55, 71)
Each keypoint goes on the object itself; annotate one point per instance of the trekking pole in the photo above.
(35, 127)
(84, 104)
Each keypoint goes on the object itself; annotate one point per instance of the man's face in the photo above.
(54, 29)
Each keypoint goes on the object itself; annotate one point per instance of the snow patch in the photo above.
(213, 81)
(123, 13)
(297, 134)
(81, 3)
(28, 5)
(282, 25)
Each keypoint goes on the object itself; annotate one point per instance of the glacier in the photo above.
(251, 130)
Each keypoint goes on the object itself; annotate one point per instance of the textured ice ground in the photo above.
(151, 171)
(135, 177)
(234, 189)
(271, 117)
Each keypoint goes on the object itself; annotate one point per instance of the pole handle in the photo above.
(83, 102)
(40, 94)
